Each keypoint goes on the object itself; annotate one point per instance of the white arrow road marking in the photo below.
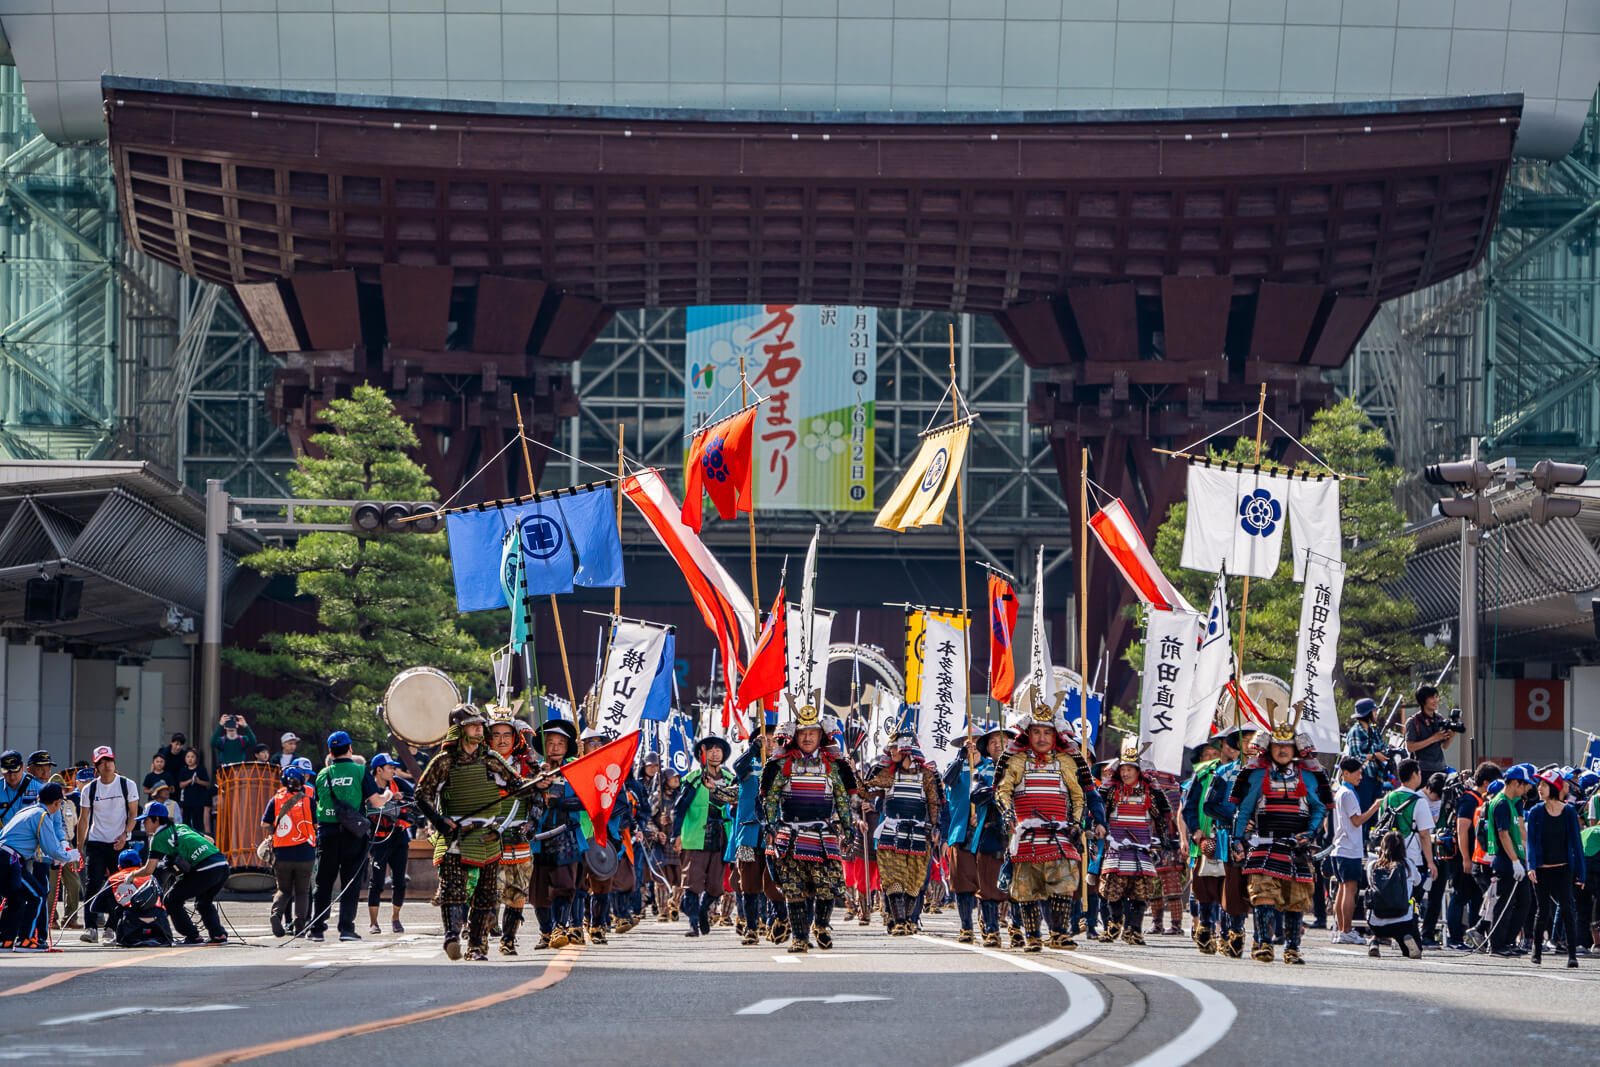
(112, 1013)
(772, 1004)
(1084, 1006)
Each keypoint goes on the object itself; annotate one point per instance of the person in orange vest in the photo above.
(290, 814)
(139, 918)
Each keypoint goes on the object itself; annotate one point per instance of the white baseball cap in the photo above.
(103, 752)
(290, 736)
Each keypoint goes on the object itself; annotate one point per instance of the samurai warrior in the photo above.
(516, 866)
(913, 797)
(1138, 824)
(974, 839)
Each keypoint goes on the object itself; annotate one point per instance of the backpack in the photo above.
(1400, 818)
(1390, 892)
(86, 808)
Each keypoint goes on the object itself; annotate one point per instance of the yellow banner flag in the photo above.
(915, 623)
(920, 498)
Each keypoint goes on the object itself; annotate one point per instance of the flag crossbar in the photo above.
(511, 501)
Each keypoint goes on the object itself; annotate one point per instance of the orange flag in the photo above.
(597, 779)
(769, 665)
(720, 466)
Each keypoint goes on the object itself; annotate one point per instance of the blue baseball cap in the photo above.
(303, 764)
(129, 857)
(84, 775)
(154, 810)
(292, 777)
(1588, 780)
(382, 759)
(1519, 773)
(338, 739)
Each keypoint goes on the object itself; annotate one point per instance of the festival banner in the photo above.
(817, 367)
(1119, 535)
(1002, 628)
(1213, 666)
(1164, 691)
(925, 488)
(680, 744)
(800, 680)
(942, 723)
(1041, 672)
(1318, 650)
(514, 586)
(1591, 755)
(1313, 520)
(1234, 521)
(914, 623)
(597, 779)
(631, 665)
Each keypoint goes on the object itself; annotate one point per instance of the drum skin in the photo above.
(417, 704)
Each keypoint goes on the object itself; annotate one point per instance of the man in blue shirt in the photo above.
(29, 843)
(18, 788)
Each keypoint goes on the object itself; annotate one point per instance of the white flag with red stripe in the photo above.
(723, 605)
(1119, 535)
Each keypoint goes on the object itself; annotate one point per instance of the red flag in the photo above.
(769, 663)
(1248, 706)
(719, 465)
(723, 605)
(1119, 535)
(597, 779)
(1002, 625)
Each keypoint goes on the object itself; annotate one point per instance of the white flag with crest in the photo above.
(1235, 521)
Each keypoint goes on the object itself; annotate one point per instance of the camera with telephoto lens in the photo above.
(1455, 725)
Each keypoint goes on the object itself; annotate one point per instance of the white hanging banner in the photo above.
(1313, 521)
(1166, 687)
(798, 651)
(1235, 521)
(1317, 651)
(942, 719)
(1041, 673)
(1213, 667)
(630, 669)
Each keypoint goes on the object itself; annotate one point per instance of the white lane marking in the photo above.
(1216, 1017)
(1084, 1006)
(1454, 964)
(316, 966)
(112, 1013)
(774, 1004)
(787, 959)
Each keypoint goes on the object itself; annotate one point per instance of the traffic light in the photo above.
(1470, 476)
(395, 516)
(1547, 477)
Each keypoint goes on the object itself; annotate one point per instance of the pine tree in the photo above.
(385, 602)
(1375, 649)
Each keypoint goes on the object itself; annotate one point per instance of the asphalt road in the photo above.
(655, 997)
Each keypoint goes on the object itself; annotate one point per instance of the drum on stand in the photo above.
(416, 706)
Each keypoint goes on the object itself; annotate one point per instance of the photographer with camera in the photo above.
(1427, 732)
(231, 741)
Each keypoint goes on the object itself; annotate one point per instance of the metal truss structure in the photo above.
(1508, 353)
(633, 376)
(104, 352)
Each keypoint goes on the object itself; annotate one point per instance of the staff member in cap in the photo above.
(294, 851)
(287, 744)
(107, 808)
(39, 769)
(1364, 741)
(391, 844)
(19, 788)
(343, 786)
(203, 871)
(28, 843)
(701, 825)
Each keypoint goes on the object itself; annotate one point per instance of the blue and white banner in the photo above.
(632, 663)
(1235, 521)
(1213, 666)
(680, 745)
(1591, 755)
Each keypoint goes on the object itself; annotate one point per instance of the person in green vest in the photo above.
(203, 871)
(1508, 857)
(343, 788)
(467, 781)
(701, 823)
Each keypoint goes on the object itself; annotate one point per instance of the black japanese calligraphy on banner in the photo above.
(630, 668)
(942, 718)
(1317, 651)
(1165, 692)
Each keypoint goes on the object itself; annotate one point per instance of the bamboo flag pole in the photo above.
(1244, 606)
(755, 585)
(1083, 655)
(622, 436)
(555, 611)
(961, 542)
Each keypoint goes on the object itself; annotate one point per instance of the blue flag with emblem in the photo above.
(1591, 757)
(514, 586)
(591, 520)
(1069, 711)
(658, 703)
(546, 549)
(680, 745)
(477, 539)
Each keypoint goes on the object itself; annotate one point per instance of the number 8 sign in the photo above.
(1540, 705)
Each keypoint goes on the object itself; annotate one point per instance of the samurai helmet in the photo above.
(1043, 712)
(807, 716)
(1286, 733)
(465, 714)
(1132, 752)
(502, 714)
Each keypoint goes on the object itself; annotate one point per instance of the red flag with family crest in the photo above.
(720, 465)
(1002, 625)
(597, 779)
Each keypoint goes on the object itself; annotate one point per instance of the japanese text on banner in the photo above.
(814, 435)
(1164, 691)
(1318, 650)
(630, 671)
(942, 724)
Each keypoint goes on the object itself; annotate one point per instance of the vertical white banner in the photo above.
(821, 635)
(942, 720)
(1314, 521)
(1214, 665)
(630, 668)
(1234, 522)
(1318, 650)
(1041, 673)
(1164, 692)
